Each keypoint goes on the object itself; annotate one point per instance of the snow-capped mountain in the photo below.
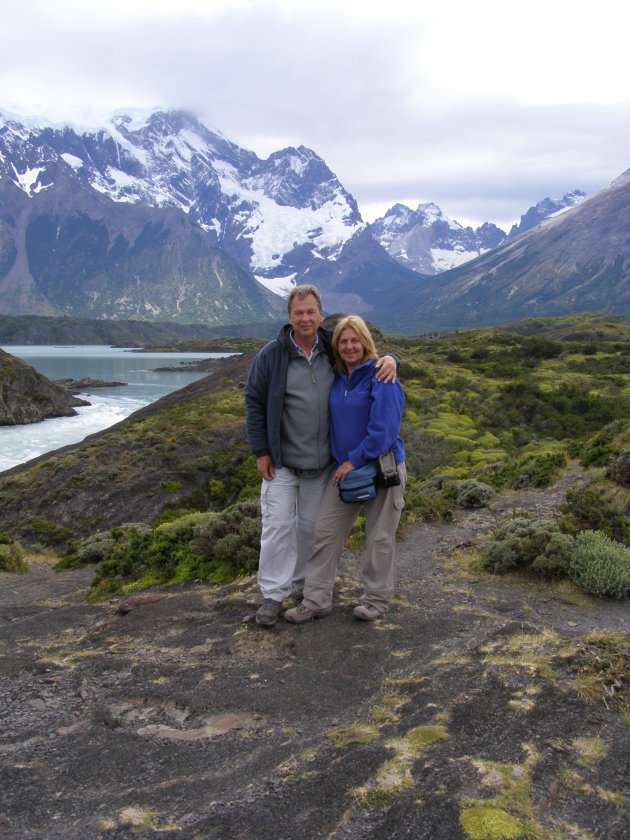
(274, 216)
(158, 217)
(428, 242)
(94, 225)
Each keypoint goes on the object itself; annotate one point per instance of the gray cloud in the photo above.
(350, 87)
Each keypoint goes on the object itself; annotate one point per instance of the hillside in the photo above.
(583, 327)
(34, 329)
(160, 454)
(490, 702)
(488, 404)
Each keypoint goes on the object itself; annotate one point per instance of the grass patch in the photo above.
(601, 663)
(529, 652)
(485, 822)
(394, 777)
(357, 734)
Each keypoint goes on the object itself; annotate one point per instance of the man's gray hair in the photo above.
(301, 292)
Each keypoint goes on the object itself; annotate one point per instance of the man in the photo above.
(287, 426)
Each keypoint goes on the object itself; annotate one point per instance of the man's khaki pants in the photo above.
(334, 523)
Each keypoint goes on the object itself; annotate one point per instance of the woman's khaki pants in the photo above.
(334, 523)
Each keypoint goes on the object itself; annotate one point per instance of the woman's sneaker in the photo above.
(366, 612)
(302, 614)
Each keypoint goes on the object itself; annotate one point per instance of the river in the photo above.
(107, 405)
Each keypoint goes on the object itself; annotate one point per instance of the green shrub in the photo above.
(426, 507)
(619, 469)
(540, 471)
(95, 548)
(438, 483)
(50, 534)
(597, 507)
(556, 558)
(242, 521)
(527, 544)
(169, 514)
(244, 483)
(474, 494)
(597, 451)
(600, 565)
(217, 491)
(529, 471)
(216, 546)
(11, 555)
(502, 475)
(171, 487)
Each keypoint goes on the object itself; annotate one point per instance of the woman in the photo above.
(365, 417)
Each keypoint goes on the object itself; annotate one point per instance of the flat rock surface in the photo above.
(171, 713)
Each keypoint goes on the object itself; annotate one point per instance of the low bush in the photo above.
(556, 556)
(430, 501)
(619, 469)
(597, 506)
(600, 566)
(530, 471)
(11, 555)
(599, 449)
(541, 470)
(95, 548)
(233, 536)
(216, 546)
(528, 544)
(474, 494)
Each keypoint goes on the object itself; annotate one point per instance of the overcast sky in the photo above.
(484, 107)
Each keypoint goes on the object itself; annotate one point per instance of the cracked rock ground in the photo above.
(173, 714)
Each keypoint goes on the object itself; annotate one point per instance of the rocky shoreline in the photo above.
(76, 386)
(26, 396)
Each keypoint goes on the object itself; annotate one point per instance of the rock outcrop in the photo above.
(27, 396)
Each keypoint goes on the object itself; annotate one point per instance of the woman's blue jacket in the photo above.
(365, 417)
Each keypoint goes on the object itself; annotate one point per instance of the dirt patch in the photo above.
(173, 716)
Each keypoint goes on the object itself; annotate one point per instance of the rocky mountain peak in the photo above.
(427, 241)
(545, 209)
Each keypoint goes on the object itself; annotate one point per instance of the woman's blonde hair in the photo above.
(358, 325)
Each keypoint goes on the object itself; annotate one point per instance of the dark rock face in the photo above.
(26, 396)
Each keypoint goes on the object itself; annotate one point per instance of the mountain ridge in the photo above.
(572, 262)
(165, 219)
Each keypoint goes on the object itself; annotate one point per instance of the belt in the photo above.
(306, 473)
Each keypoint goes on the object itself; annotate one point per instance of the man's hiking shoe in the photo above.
(268, 613)
(302, 614)
(366, 612)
